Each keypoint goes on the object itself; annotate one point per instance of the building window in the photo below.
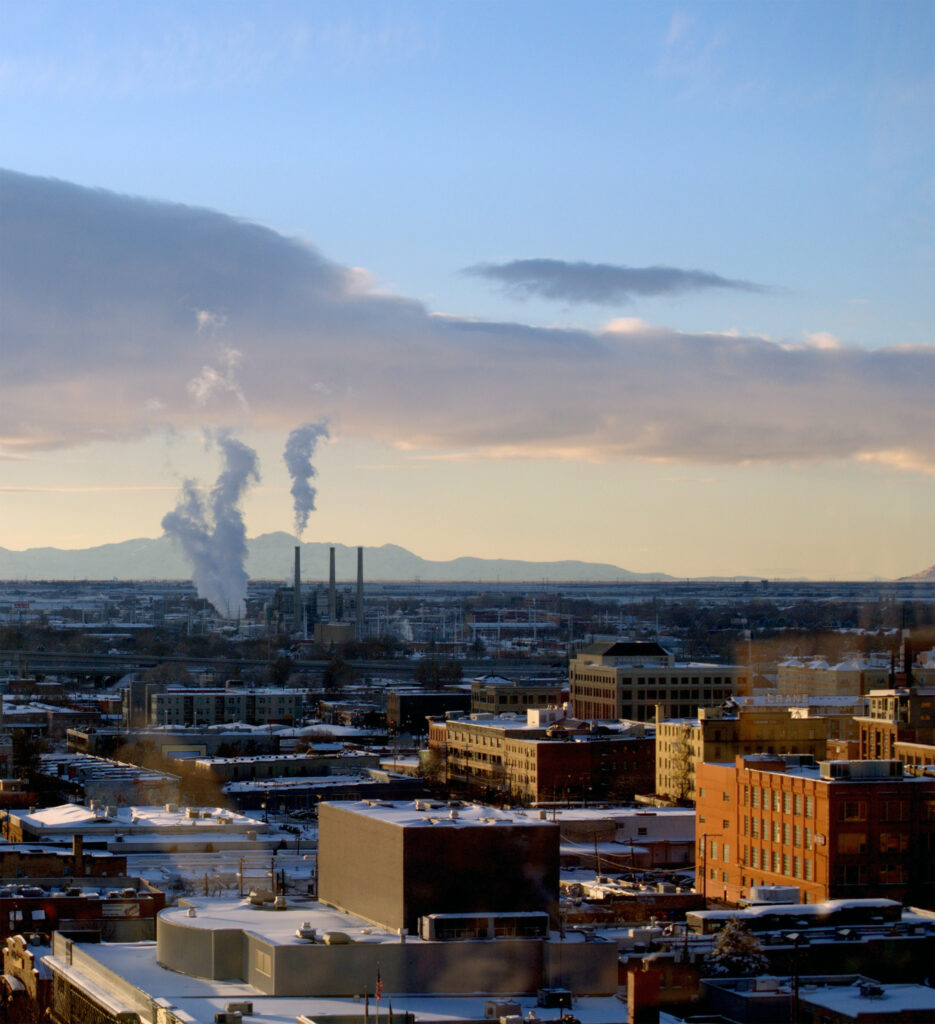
(726, 852)
(786, 834)
(746, 825)
(809, 807)
(797, 803)
(786, 864)
(754, 856)
(786, 803)
(776, 798)
(797, 866)
(797, 835)
(776, 832)
(893, 842)
(725, 797)
(755, 828)
(852, 810)
(809, 870)
(725, 823)
(755, 796)
(776, 861)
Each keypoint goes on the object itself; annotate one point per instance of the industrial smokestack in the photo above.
(360, 594)
(297, 592)
(332, 595)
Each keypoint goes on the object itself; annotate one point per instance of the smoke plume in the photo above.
(212, 534)
(300, 448)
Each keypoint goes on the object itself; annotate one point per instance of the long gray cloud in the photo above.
(599, 283)
(103, 296)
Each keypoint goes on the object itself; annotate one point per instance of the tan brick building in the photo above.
(723, 733)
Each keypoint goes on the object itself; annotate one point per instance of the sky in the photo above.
(640, 283)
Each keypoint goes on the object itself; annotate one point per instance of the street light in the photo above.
(705, 836)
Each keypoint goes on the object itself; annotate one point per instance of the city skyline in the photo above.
(651, 288)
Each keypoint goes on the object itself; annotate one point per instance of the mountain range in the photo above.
(271, 555)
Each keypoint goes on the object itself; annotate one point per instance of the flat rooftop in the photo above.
(435, 814)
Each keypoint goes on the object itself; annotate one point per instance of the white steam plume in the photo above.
(298, 458)
(214, 539)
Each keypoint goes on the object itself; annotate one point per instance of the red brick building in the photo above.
(835, 830)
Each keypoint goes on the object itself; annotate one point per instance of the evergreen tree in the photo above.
(737, 953)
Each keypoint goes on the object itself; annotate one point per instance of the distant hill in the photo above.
(270, 556)
(926, 576)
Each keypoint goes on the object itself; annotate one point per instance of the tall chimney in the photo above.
(332, 596)
(297, 615)
(360, 594)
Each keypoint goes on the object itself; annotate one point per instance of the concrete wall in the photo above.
(203, 952)
(360, 865)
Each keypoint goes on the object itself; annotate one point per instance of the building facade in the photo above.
(834, 830)
(495, 695)
(721, 734)
(627, 680)
(544, 757)
(218, 706)
(895, 717)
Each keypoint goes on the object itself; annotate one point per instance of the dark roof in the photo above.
(627, 649)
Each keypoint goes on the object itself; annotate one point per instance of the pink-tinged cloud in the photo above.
(107, 303)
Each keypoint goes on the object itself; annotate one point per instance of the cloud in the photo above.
(601, 283)
(100, 295)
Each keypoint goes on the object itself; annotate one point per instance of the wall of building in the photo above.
(360, 865)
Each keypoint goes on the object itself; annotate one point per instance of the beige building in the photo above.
(627, 679)
(815, 677)
(724, 733)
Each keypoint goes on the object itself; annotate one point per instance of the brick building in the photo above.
(897, 716)
(544, 757)
(835, 830)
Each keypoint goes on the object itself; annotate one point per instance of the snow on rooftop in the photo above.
(433, 813)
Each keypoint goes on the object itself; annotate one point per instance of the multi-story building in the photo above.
(182, 706)
(495, 695)
(838, 712)
(408, 710)
(627, 679)
(721, 734)
(435, 860)
(897, 716)
(544, 757)
(834, 830)
(815, 676)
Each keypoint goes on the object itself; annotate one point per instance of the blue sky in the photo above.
(785, 145)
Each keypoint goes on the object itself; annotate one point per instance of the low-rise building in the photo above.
(834, 830)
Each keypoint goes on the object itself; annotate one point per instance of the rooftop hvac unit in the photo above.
(244, 1007)
(497, 1008)
(554, 998)
(224, 1017)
